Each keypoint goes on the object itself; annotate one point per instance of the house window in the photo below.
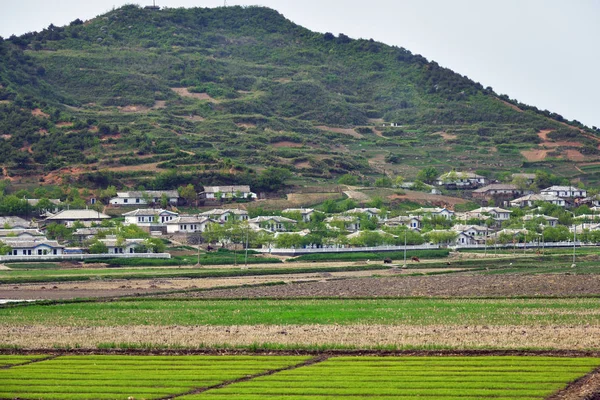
(125, 200)
(137, 200)
(15, 252)
(131, 250)
(54, 251)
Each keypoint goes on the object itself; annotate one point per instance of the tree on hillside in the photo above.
(428, 175)
(188, 193)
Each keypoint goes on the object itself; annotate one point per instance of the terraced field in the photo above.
(289, 377)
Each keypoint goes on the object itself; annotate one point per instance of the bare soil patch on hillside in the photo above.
(535, 155)
(454, 285)
(543, 134)
(511, 106)
(39, 113)
(287, 144)
(184, 92)
(428, 198)
(345, 131)
(447, 136)
(574, 155)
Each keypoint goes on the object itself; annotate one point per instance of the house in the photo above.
(434, 212)
(455, 179)
(137, 198)
(413, 222)
(34, 247)
(188, 224)
(82, 234)
(497, 213)
(565, 192)
(227, 192)
(350, 223)
(15, 223)
(149, 217)
(225, 214)
(551, 221)
(69, 217)
(305, 213)
(54, 208)
(271, 223)
(584, 227)
(370, 212)
(592, 201)
(528, 178)
(476, 233)
(123, 246)
(499, 192)
(530, 200)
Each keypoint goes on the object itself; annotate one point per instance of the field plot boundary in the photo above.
(195, 391)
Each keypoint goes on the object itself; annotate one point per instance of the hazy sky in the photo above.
(541, 52)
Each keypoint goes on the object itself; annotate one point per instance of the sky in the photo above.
(544, 53)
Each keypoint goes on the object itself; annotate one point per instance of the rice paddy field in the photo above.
(289, 377)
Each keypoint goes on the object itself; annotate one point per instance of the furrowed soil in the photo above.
(455, 285)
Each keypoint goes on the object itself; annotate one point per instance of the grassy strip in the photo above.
(521, 312)
(359, 256)
(6, 361)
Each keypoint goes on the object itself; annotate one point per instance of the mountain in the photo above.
(160, 98)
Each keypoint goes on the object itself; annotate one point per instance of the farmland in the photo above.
(289, 377)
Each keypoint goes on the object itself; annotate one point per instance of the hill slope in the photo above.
(220, 94)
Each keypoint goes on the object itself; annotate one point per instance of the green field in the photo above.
(415, 312)
(290, 377)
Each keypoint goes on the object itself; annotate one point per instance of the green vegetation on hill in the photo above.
(219, 94)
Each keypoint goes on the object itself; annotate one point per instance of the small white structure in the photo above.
(143, 197)
(271, 223)
(461, 179)
(227, 192)
(551, 221)
(413, 222)
(370, 212)
(473, 233)
(11, 222)
(188, 224)
(351, 223)
(69, 217)
(225, 214)
(149, 217)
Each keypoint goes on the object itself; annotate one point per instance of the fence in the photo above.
(75, 257)
(530, 245)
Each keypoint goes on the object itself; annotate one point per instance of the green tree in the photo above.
(155, 245)
(5, 248)
(428, 175)
(188, 193)
(98, 247)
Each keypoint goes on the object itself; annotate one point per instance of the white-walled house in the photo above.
(497, 213)
(531, 199)
(149, 217)
(461, 179)
(351, 223)
(136, 198)
(435, 211)
(34, 247)
(227, 192)
(225, 214)
(564, 192)
(305, 213)
(475, 231)
(271, 223)
(126, 246)
(413, 222)
(370, 212)
(11, 222)
(188, 224)
(551, 221)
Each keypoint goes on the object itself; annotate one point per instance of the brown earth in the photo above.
(345, 131)
(535, 155)
(455, 285)
(428, 198)
(184, 92)
(39, 113)
(574, 155)
(446, 136)
(287, 144)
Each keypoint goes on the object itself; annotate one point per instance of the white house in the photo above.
(136, 198)
(149, 217)
(435, 211)
(370, 212)
(21, 234)
(227, 192)
(528, 178)
(564, 192)
(35, 247)
(271, 223)
(497, 213)
(188, 224)
(551, 221)
(120, 247)
(461, 179)
(69, 217)
(413, 222)
(531, 199)
(351, 223)
(11, 222)
(478, 233)
(225, 214)
(305, 213)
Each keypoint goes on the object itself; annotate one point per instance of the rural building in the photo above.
(143, 197)
(435, 212)
(215, 193)
(69, 217)
(568, 192)
(530, 200)
(149, 217)
(305, 213)
(370, 212)
(497, 213)
(33, 247)
(413, 222)
(499, 192)
(15, 223)
(225, 214)
(123, 246)
(551, 221)
(272, 223)
(351, 223)
(527, 178)
(188, 224)
(455, 179)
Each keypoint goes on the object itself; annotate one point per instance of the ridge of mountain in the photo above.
(158, 99)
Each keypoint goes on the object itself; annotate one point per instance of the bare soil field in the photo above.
(184, 92)
(350, 132)
(428, 198)
(535, 155)
(455, 285)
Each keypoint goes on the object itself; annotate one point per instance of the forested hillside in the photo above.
(163, 98)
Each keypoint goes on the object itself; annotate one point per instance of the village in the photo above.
(553, 217)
